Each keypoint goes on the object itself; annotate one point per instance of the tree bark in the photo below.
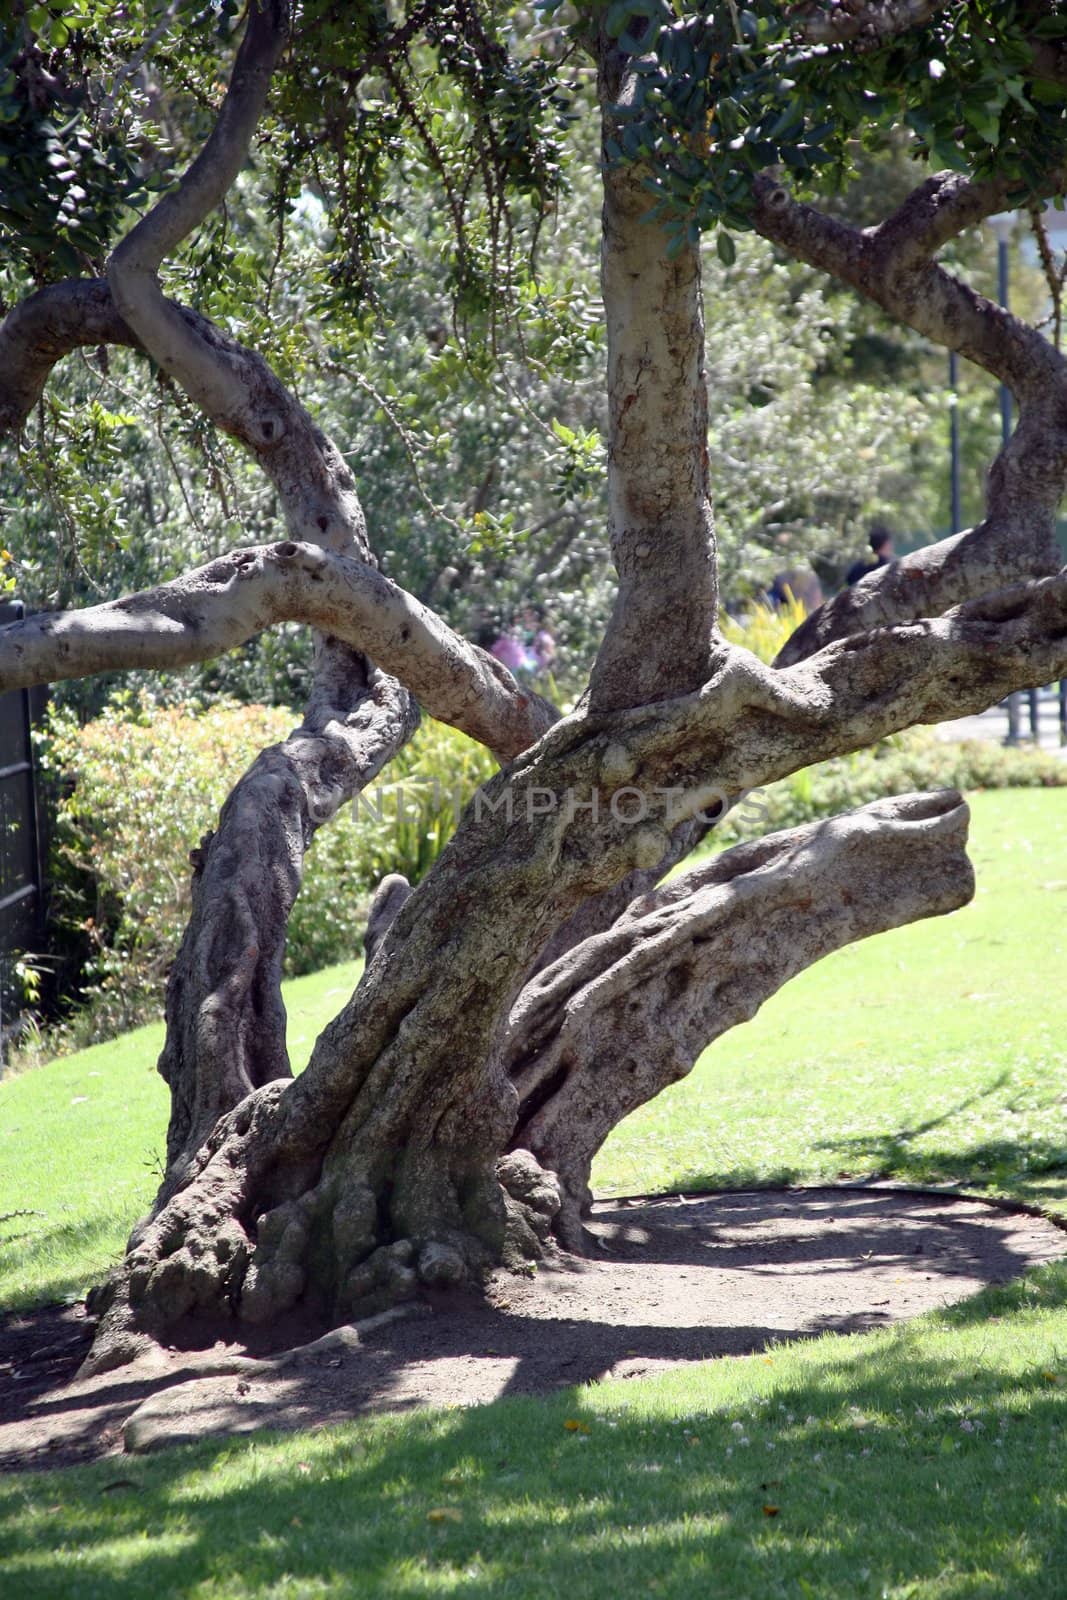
(616, 1021)
(537, 985)
(659, 638)
(225, 1014)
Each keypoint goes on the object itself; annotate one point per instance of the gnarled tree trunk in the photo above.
(544, 979)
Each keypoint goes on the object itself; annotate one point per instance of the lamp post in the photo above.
(1002, 226)
(954, 439)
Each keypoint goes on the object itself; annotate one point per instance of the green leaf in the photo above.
(726, 248)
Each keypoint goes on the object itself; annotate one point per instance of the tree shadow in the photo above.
(924, 1457)
(680, 1280)
(1011, 1165)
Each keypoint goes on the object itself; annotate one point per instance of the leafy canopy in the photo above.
(725, 93)
(102, 104)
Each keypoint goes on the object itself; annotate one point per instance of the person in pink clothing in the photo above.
(539, 642)
(509, 649)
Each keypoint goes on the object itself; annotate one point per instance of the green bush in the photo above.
(916, 759)
(143, 782)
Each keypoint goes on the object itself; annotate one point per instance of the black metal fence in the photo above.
(22, 856)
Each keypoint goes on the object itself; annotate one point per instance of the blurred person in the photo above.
(880, 540)
(537, 638)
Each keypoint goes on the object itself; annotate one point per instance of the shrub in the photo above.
(764, 629)
(143, 782)
(916, 759)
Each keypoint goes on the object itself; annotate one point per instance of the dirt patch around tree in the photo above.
(676, 1279)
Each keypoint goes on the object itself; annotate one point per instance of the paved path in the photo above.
(993, 724)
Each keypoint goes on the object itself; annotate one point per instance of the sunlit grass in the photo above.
(82, 1143)
(925, 1461)
(932, 1054)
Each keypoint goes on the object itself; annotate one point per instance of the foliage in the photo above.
(726, 93)
(763, 628)
(144, 781)
(357, 253)
(88, 90)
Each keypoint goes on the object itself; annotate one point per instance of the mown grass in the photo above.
(924, 1462)
(921, 1463)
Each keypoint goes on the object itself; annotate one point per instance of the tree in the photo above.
(545, 977)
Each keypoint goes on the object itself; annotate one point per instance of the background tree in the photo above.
(542, 980)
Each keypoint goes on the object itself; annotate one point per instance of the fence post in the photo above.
(22, 867)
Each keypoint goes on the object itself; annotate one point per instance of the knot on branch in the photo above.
(288, 553)
(269, 428)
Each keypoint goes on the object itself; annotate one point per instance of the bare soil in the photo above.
(676, 1279)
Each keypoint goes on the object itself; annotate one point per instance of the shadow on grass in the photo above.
(39, 1265)
(919, 1461)
(1011, 1167)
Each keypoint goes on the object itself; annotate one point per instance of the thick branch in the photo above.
(42, 330)
(135, 262)
(617, 1020)
(891, 265)
(1015, 541)
(220, 606)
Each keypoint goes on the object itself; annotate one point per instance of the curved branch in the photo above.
(220, 606)
(892, 266)
(1016, 541)
(135, 261)
(41, 330)
(225, 1014)
(624, 1015)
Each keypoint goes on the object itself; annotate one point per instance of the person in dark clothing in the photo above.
(880, 540)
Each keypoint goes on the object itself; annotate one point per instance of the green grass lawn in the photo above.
(925, 1462)
(921, 1463)
(81, 1149)
(934, 1053)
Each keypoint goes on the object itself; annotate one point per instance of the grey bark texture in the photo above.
(617, 1020)
(545, 978)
